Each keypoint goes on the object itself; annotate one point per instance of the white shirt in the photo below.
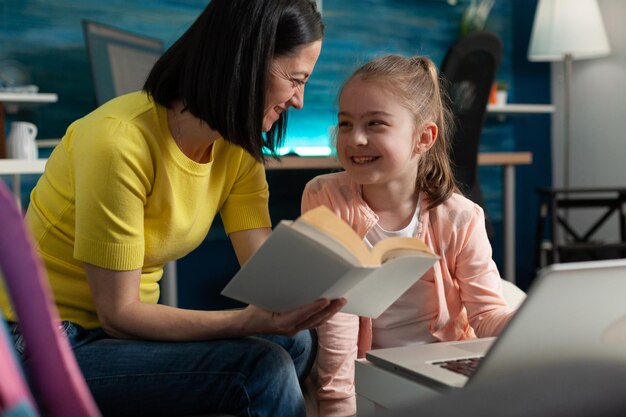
(404, 322)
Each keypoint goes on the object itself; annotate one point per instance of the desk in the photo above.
(10, 102)
(508, 160)
(18, 167)
(511, 109)
(501, 112)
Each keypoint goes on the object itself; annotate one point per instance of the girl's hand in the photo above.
(259, 321)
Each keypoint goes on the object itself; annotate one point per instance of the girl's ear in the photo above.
(426, 138)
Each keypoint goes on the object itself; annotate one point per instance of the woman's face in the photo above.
(287, 78)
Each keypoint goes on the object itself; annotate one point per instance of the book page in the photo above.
(394, 247)
(300, 263)
(383, 286)
(325, 220)
(330, 225)
(328, 241)
(290, 270)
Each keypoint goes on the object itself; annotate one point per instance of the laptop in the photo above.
(573, 312)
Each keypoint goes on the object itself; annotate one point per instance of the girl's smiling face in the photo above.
(376, 135)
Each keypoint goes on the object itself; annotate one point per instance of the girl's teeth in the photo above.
(362, 159)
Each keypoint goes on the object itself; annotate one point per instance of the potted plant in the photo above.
(501, 93)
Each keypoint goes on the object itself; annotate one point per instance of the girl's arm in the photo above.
(336, 353)
(337, 349)
(479, 280)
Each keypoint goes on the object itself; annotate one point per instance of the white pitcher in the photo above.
(21, 142)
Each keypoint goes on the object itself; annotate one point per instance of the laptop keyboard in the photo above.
(465, 366)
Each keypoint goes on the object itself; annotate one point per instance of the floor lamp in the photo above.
(565, 30)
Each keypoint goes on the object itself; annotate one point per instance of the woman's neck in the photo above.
(192, 135)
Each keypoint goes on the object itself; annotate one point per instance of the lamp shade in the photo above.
(567, 27)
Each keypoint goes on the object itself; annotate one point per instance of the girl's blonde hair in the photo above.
(415, 82)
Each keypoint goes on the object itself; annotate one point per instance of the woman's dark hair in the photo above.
(219, 67)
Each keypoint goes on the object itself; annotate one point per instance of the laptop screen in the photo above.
(574, 312)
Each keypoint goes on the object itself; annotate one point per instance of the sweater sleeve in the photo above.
(247, 204)
(337, 351)
(112, 178)
(337, 348)
(480, 283)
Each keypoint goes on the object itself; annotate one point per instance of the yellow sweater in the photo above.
(119, 194)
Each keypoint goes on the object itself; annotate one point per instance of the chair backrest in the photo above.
(55, 376)
(469, 69)
(119, 60)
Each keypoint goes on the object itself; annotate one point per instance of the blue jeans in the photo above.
(251, 376)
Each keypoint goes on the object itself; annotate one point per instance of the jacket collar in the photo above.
(370, 218)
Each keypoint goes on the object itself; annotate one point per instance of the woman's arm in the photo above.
(123, 315)
(247, 242)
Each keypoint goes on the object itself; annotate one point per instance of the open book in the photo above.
(320, 256)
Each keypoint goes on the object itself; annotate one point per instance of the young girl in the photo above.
(392, 142)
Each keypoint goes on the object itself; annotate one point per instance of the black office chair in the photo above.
(469, 70)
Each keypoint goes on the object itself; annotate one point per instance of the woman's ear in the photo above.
(426, 138)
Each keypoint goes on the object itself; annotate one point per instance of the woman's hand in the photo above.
(255, 320)
(259, 321)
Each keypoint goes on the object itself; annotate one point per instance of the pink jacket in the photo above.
(468, 287)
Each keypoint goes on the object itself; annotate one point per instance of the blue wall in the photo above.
(46, 36)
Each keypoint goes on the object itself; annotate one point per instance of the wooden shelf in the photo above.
(25, 98)
(520, 109)
(12, 102)
(22, 166)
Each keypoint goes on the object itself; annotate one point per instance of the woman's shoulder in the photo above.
(130, 113)
(127, 106)
(133, 117)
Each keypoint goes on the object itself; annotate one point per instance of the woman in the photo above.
(138, 182)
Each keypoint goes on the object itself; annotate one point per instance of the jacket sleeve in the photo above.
(337, 349)
(479, 281)
(314, 196)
